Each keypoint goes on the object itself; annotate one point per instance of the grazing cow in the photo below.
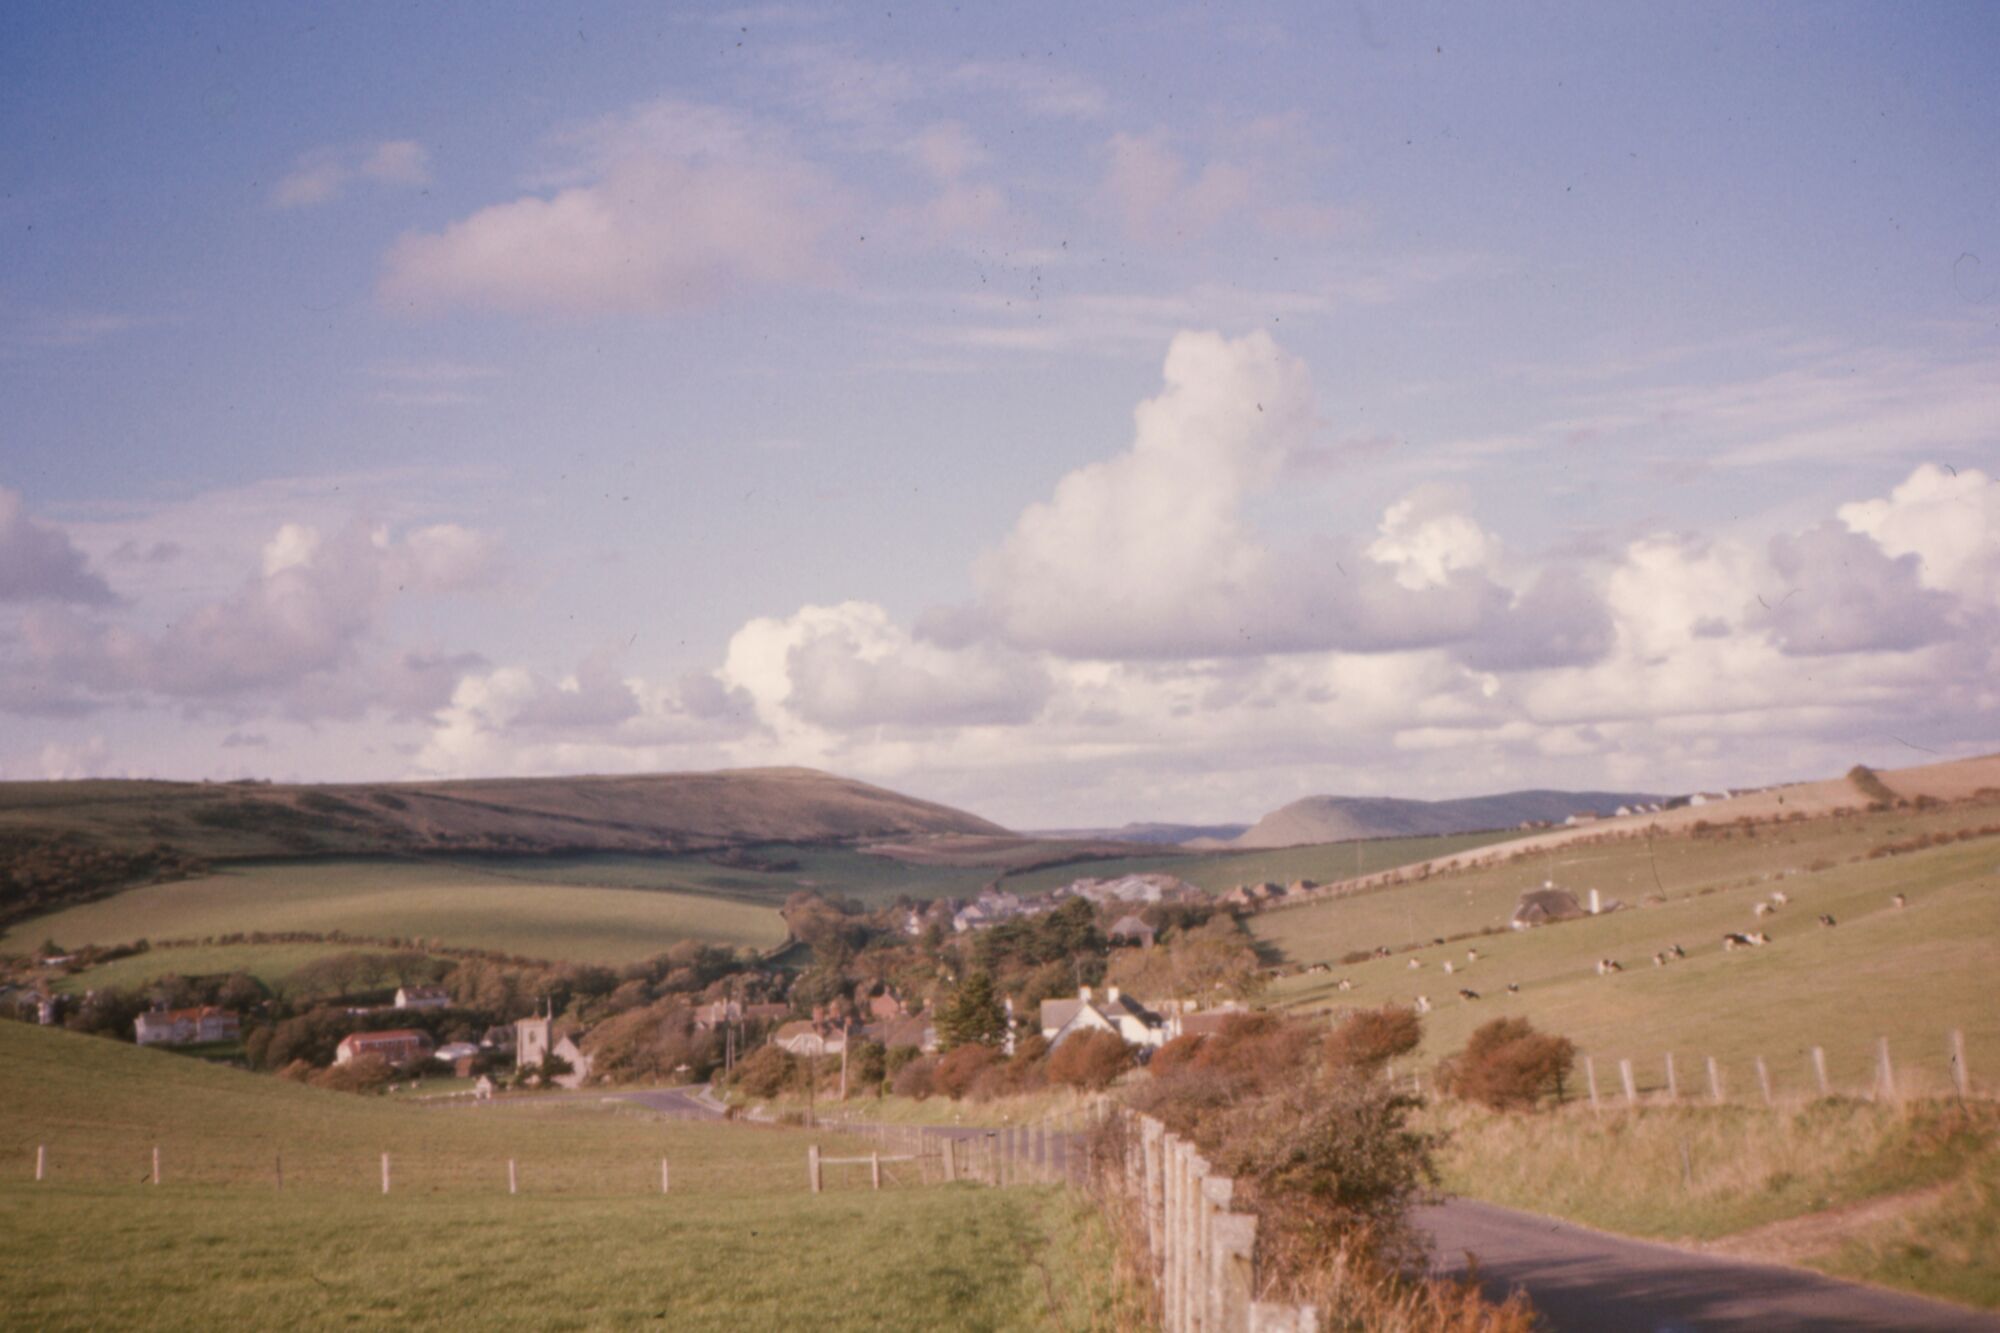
(1606, 966)
(1733, 940)
(1899, 901)
(1465, 994)
(1762, 909)
(1346, 983)
(1779, 898)
(1472, 955)
(1319, 969)
(1423, 1004)
(1826, 918)
(1381, 951)
(1659, 960)
(1416, 963)
(1447, 967)
(1759, 937)
(1678, 952)
(1513, 988)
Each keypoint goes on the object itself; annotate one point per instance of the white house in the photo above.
(182, 1027)
(1110, 1012)
(422, 997)
(804, 1037)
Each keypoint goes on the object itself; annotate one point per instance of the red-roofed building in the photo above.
(399, 1046)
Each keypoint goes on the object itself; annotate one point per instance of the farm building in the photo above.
(182, 1027)
(399, 1046)
(422, 997)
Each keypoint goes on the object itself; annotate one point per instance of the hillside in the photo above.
(1340, 818)
(61, 841)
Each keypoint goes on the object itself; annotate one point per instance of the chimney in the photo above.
(1596, 903)
(1083, 993)
(1111, 994)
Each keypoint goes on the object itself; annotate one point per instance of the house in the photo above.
(422, 997)
(1540, 907)
(1112, 1011)
(182, 1027)
(810, 1037)
(535, 1039)
(885, 1006)
(718, 1013)
(1184, 1022)
(918, 1032)
(1131, 929)
(399, 1046)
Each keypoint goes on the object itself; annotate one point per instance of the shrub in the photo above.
(1176, 1056)
(960, 1067)
(1370, 1039)
(765, 1072)
(914, 1078)
(1090, 1060)
(1507, 1065)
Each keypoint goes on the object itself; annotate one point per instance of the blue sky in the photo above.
(1153, 412)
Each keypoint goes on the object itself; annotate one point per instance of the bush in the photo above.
(1368, 1040)
(914, 1078)
(1507, 1065)
(1091, 1060)
(1176, 1056)
(765, 1072)
(960, 1067)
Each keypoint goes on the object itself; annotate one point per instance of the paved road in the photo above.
(675, 1102)
(1582, 1279)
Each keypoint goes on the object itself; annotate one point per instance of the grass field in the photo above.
(739, 1244)
(271, 964)
(1218, 872)
(1908, 974)
(445, 904)
(1898, 1194)
(875, 880)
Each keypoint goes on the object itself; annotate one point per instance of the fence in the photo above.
(1033, 1154)
(1887, 1080)
(1203, 1255)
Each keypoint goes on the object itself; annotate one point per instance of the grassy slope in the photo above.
(269, 963)
(739, 1245)
(1218, 872)
(830, 870)
(446, 904)
(1908, 975)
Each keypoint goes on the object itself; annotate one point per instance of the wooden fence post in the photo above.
(948, 1149)
(1885, 1072)
(1819, 1070)
(1673, 1084)
(513, 1180)
(1590, 1077)
(156, 1164)
(1631, 1085)
(385, 1173)
(812, 1166)
(1961, 1077)
(1714, 1080)
(41, 1161)
(875, 1168)
(1764, 1080)
(666, 1181)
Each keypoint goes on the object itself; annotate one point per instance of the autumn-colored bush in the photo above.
(1369, 1040)
(1507, 1065)
(959, 1068)
(1176, 1056)
(364, 1073)
(915, 1078)
(765, 1072)
(1026, 1070)
(1090, 1060)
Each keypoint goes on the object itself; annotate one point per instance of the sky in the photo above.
(1077, 414)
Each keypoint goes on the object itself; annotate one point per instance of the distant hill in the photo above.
(1151, 835)
(1341, 818)
(64, 840)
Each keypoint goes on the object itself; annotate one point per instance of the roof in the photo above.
(425, 992)
(391, 1037)
(1130, 925)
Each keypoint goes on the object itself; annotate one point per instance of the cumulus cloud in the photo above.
(1842, 593)
(40, 563)
(323, 175)
(673, 206)
(1949, 521)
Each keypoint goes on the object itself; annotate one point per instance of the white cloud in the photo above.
(677, 205)
(1949, 520)
(40, 563)
(324, 174)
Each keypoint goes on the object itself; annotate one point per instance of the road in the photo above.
(1581, 1279)
(680, 1103)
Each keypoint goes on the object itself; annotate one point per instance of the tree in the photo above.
(1090, 1060)
(1507, 1065)
(1370, 1039)
(973, 1016)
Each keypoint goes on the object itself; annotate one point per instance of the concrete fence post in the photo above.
(1235, 1272)
(1764, 1080)
(1819, 1070)
(385, 1173)
(1218, 1192)
(156, 1164)
(666, 1181)
(1714, 1080)
(1590, 1078)
(41, 1161)
(1673, 1084)
(812, 1166)
(513, 1181)
(1631, 1084)
(1885, 1072)
(1961, 1076)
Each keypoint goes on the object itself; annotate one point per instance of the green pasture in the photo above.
(441, 904)
(1218, 872)
(1909, 974)
(589, 1242)
(842, 871)
(272, 964)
